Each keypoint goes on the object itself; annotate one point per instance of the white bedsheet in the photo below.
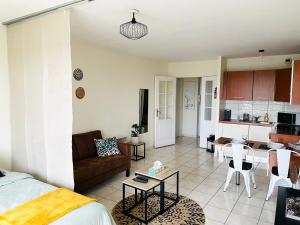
(18, 188)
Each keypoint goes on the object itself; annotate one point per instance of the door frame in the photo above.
(156, 105)
(214, 104)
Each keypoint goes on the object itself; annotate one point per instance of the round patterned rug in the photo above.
(186, 211)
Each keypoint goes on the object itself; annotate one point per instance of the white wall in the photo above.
(112, 80)
(257, 63)
(193, 68)
(41, 100)
(5, 127)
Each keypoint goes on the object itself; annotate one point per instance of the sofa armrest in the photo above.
(125, 148)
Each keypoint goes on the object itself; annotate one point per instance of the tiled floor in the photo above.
(202, 178)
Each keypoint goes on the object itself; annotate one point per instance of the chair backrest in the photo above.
(237, 155)
(283, 162)
(283, 157)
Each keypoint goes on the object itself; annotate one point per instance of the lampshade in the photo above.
(133, 30)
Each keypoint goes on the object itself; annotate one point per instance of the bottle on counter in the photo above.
(266, 118)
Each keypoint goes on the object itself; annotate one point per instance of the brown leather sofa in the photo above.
(89, 169)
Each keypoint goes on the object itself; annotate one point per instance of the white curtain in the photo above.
(39, 58)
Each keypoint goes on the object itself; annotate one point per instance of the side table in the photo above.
(135, 155)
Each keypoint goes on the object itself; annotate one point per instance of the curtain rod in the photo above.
(9, 22)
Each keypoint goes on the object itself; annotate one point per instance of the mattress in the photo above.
(17, 188)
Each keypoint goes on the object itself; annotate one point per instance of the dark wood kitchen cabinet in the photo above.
(295, 93)
(283, 85)
(237, 85)
(264, 85)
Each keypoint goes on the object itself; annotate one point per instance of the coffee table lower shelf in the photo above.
(145, 193)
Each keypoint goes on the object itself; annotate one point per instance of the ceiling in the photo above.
(11, 9)
(182, 29)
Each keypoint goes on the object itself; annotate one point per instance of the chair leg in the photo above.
(247, 183)
(253, 179)
(229, 176)
(271, 187)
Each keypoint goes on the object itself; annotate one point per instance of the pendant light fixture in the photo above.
(133, 30)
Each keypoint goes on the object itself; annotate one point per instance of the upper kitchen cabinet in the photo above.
(295, 86)
(283, 85)
(237, 85)
(264, 85)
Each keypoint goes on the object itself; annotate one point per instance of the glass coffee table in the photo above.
(161, 176)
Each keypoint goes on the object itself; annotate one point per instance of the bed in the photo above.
(17, 188)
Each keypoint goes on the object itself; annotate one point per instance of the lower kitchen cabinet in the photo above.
(259, 133)
(233, 130)
(252, 132)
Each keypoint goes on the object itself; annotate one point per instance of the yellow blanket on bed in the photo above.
(44, 209)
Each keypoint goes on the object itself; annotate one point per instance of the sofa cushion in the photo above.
(107, 147)
(84, 144)
(96, 166)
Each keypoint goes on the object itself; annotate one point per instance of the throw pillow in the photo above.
(107, 147)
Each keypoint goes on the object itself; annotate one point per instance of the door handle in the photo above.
(157, 113)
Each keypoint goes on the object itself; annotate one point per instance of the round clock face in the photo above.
(78, 74)
(80, 93)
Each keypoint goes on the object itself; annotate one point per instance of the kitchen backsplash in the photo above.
(258, 108)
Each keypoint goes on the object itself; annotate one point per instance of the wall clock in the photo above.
(80, 93)
(78, 74)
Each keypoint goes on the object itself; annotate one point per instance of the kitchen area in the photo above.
(261, 105)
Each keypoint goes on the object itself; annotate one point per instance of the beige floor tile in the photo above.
(263, 223)
(236, 219)
(247, 210)
(199, 197)
(212, 222)
(207, 188)
(270, 205)
(267, 216)
(228, 194)
(219, 215)
(253, 201)
(222, 203)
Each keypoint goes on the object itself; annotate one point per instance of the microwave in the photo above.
(288, 118)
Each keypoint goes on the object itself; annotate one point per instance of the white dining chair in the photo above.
(280, 173)
(237, 164)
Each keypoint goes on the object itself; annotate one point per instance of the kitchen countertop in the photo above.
(246, 123)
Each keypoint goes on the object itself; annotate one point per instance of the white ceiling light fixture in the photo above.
(133, 30)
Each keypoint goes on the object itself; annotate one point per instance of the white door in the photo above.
(165, 108)
(207, 109)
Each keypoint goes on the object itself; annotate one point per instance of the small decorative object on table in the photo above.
(157, 167)
(135, 133)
